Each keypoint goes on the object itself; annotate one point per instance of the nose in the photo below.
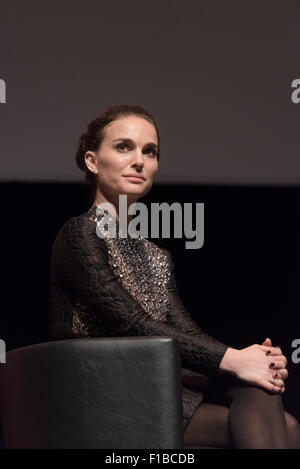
(138, 160)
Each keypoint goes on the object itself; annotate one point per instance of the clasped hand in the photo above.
(261, 365)
(277, 363)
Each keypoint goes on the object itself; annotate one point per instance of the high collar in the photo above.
(108, 225)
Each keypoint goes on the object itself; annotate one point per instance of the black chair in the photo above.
(118, 392)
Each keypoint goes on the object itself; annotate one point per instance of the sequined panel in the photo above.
(79, 325)
(86, 323)
(142, 268)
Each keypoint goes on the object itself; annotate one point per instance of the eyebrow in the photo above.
(128, 140)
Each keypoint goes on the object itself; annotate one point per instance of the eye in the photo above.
(152, 150)
(122, 145)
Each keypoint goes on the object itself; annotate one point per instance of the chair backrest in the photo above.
(117, 392)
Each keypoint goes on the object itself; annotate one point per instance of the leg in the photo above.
(209, 426)
(235, 414)
(293, 427)
(257, 418)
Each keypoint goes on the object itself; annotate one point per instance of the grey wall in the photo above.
(216, 74)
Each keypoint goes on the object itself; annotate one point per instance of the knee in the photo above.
(257, 397)
(292, 424)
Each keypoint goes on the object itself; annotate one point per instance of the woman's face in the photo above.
(129, 147)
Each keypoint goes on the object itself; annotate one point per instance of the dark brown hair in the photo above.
(92, 138)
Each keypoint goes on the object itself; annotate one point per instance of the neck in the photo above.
(125, 202)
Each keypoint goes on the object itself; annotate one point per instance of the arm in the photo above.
(179, 316)
(182, 319)
(249, 364)
(81, 261)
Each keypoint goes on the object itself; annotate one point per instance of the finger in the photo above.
(278, 359)
(283, 372)
(271, 387)
(277, 382)
(277, 365)
(275, 351)
(267, 342)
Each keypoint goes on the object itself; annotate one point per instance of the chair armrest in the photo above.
(116, 392)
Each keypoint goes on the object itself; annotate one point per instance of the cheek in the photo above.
(112, 169)
(153, 169)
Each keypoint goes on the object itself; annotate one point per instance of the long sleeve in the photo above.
(179, 316)
(79, 263)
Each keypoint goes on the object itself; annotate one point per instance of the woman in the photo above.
(114, 286)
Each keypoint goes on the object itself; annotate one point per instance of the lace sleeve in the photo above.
(82, 266)
(181, 318)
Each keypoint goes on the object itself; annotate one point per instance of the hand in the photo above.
(281, 372)
(253, 365)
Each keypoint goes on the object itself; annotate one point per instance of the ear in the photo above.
(91, 161)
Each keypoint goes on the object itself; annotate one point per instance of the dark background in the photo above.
(241, 286)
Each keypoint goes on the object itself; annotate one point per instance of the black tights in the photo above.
(238, 415)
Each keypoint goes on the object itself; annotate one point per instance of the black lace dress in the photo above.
(113, 287)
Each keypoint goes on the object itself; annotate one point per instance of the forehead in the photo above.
(134, 127)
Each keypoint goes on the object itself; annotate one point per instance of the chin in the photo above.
(138, 190)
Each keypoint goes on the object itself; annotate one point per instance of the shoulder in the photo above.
(81, 222)
(78, 230)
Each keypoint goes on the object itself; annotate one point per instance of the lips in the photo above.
(135, 177)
